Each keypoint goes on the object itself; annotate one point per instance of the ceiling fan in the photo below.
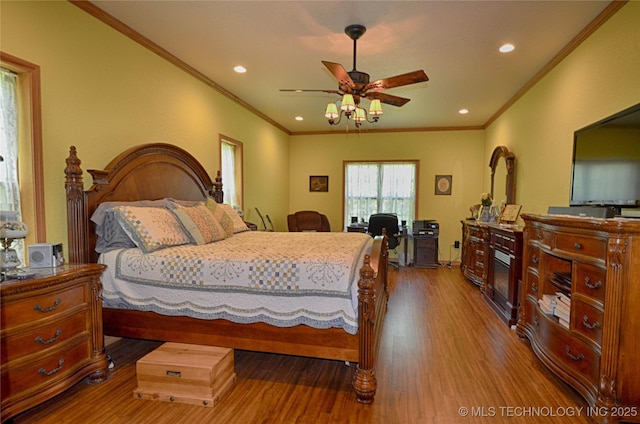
(358, 83)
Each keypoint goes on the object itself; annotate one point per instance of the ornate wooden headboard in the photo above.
(145, 172)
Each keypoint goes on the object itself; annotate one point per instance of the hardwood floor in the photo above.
(443, 349)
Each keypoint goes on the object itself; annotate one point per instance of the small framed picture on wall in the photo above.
(443, 184)
(319, 183)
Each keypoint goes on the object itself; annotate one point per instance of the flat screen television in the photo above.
(606, 162)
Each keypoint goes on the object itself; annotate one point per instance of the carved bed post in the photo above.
(218, 194)
(76, 215)
(364, 381)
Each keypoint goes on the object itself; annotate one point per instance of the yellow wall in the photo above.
(102, 92)
(456, 153)
(598, 79)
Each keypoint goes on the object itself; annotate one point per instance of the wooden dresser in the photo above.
(475, 252)
(51, 335)
(595, 263)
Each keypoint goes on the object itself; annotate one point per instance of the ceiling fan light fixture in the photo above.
(375, 109)
(332, 112)
(355, 85)
(348, 104)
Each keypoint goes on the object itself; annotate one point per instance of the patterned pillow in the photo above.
(199, 222)
(238, 223)
(221, 216)
(150, 228)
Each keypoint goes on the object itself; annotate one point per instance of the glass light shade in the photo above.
(332, 111)
(360, 115)
(11, 227)
(375, 109)
(348, 104)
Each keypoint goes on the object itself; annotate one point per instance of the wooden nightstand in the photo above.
(51, 334)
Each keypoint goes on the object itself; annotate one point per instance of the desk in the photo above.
(357, 228)
(404, 236)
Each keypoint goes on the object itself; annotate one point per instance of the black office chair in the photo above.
(388, 221)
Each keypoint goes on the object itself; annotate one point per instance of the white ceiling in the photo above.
(282, 43)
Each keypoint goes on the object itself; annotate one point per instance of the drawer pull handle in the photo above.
(42, 371)
(587, 282)
(51, 340)
(577, 246)
(534, 287)
(535, 260)
(585, 322)
(174, 374)
(580, 356)
(49, 309)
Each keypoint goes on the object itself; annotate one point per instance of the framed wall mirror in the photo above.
(503, 168)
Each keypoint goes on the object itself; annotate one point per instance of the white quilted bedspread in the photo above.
(283, 279)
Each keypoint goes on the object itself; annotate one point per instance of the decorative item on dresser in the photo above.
(592, 266)
(176, 174)
(51, 335)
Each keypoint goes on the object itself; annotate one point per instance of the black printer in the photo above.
(426, 227)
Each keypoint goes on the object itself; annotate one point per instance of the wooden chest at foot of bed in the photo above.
(185, 373)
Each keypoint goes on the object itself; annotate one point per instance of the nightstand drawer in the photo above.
(46, 369)
(43, 306)
(48, 336)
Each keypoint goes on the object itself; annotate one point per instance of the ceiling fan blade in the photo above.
(397, 81)
(388, 98)
(340, 73)
(302, 90)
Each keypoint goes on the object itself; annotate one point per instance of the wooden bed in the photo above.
(155, 171)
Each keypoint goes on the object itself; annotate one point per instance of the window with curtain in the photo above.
(9, 184)
(231, 171)
(380, 187)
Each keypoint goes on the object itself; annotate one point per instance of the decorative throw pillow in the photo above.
(199, 223)
(110, 233)
(221, 216)
(238, 223)
(151, 228)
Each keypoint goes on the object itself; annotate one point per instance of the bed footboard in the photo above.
(372, 307)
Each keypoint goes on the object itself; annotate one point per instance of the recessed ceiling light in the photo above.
(506, 48)
(299, 118)
(463, 111)
(240, 69)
